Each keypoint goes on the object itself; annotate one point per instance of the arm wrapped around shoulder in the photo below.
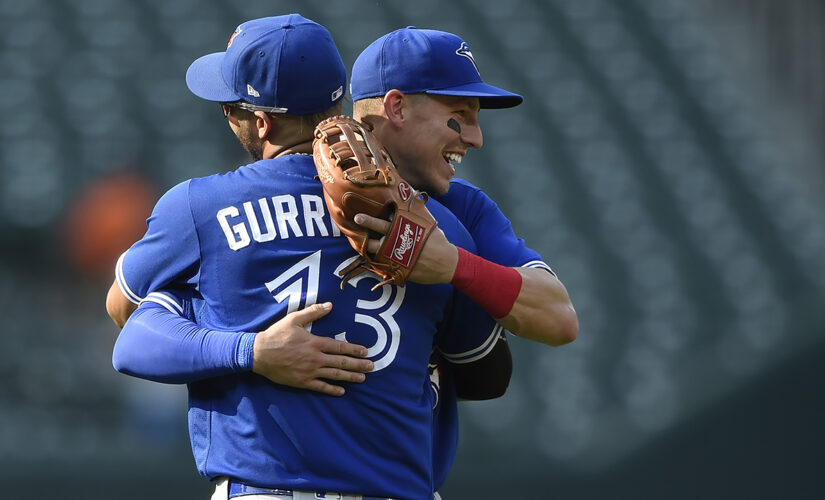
(358, 176)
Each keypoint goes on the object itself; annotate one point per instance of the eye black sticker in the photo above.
(453, 124)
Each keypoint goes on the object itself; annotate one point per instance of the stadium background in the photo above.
(667, 162)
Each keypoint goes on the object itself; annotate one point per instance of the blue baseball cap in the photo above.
(418, 60)
(287, 63)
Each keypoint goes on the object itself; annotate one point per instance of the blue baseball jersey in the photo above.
(496, 241)
(490, 229)
(255, 244)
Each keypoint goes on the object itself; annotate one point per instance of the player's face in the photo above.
(242, 123)
(438, 130)
(248, 136)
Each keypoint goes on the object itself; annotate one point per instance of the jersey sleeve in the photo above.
(161, 342)
(168, 253)
(489, 227)
(469, 333)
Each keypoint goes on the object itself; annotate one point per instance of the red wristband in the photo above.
(495, 288)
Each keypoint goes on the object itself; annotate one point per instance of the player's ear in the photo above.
(264, 123)
(395, 103)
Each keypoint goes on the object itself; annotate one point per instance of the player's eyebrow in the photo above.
(467, 103)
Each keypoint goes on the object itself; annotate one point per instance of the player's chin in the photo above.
(439, 188)
(441, 185)
(435, 187)
(436, 181)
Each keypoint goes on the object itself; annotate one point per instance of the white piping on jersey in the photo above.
(121, 282)
(539, 264)
(477, 353)
(167, 301)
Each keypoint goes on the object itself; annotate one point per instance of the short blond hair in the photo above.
(369, 106)
(373, 106)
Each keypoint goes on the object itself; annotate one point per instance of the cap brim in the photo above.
(205, 79)
(489, 97)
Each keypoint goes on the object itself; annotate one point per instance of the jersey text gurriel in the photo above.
(280, 216)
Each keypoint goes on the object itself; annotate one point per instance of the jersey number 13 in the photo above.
(299, 284)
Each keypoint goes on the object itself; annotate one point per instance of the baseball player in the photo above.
(255, 244)
(421, 91)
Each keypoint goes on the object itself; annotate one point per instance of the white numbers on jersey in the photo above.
(300, 280)
(380, 304)
(298, 285)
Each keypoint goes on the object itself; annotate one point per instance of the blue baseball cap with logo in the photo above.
(416, 60)
(287, 63)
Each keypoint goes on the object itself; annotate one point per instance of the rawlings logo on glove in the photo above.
(358, 176)
(405, 240)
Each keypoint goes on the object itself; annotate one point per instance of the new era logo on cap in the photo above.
(418, 60)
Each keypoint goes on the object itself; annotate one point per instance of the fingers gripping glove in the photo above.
(358, 176)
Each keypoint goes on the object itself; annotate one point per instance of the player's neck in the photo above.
(276, 150)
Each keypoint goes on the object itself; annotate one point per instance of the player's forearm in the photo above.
(543, 311)
(529, 302)
(118, 306)
(156, 344)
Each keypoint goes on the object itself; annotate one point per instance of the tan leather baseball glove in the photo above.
(359, 176)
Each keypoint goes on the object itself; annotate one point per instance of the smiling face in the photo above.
(435, 133)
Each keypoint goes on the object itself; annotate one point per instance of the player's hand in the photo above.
(288, 354)
(437, 261)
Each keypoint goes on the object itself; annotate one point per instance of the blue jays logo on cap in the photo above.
(464, 50)
(416, 60)
(231, 38)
